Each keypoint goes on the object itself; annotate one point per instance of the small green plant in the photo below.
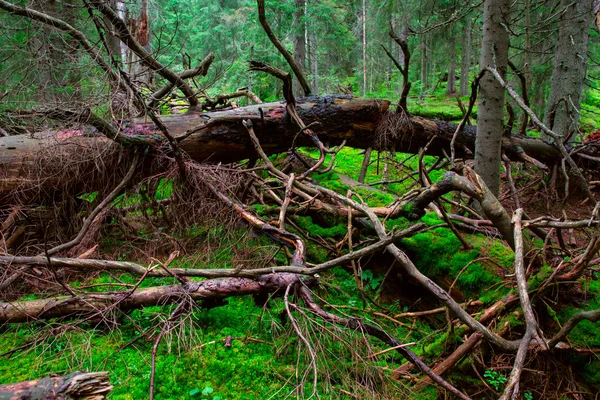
(371, 280)
(528, 396)
(494, 378)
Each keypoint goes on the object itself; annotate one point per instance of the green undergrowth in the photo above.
(439, 254)
(193, 357)
(440, 106)
(586, 334)
(192, 361)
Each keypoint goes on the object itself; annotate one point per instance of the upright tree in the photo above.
(364, 44)
(570, 62)
(299, 42)
(494, 54)
(451, 85)
(465, 64)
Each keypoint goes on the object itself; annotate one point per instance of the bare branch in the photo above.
(282, 50)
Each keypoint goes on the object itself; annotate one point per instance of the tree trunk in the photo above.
(314, 60)
(424, 63)
(364, 45)
(494, 54)
(299, 43)
(78, 385)
(221, 137)
(451, 84)
(570, 63)
(527, 51)
(465, 66)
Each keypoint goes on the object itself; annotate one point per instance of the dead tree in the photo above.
(78, 385)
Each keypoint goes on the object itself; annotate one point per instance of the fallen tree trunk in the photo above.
(78, 385)
(221, 137)
(98, 303)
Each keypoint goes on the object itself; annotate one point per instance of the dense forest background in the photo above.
(237, 199)
(337, 44)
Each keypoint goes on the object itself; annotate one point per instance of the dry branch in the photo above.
(282, 50)
(558, 140)
(200, 70)
(122, 31)
(97, 303)
(137, 269)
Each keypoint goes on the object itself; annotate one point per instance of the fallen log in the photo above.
(97, 303)
(221, 137)
(78, 385)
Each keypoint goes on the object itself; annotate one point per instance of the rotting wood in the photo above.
(97, 303)
(221, 137)
(78, 385)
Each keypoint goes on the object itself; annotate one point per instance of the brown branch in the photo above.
(558, 140)
(95, 213)
(137, 269)
(200, 70)
(221, 99)
(592, 316)
(408, 266)
(286, 202)
(293, 113)
(78, 385)
(282, 50)
(123, 33)
(523, 80)
(402, 107)
(90, 304)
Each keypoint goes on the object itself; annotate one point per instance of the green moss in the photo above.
(543, 274)
(399, 223)
(315, 230)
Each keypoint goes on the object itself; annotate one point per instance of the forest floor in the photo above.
(265, 358)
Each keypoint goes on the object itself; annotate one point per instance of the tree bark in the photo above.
(364, 44)
(465, 65)
(424, 64)
(299, 43)
(314, 62)
(94, 304)
(221, 137)
(570, 63)
(78, 385)
(494, 54)
(451, 85)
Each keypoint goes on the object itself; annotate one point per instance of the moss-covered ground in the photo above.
(266, 359)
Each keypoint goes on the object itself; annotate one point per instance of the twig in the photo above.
(313, 357)
(105, 203)
(557, 138)
(355, 323)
